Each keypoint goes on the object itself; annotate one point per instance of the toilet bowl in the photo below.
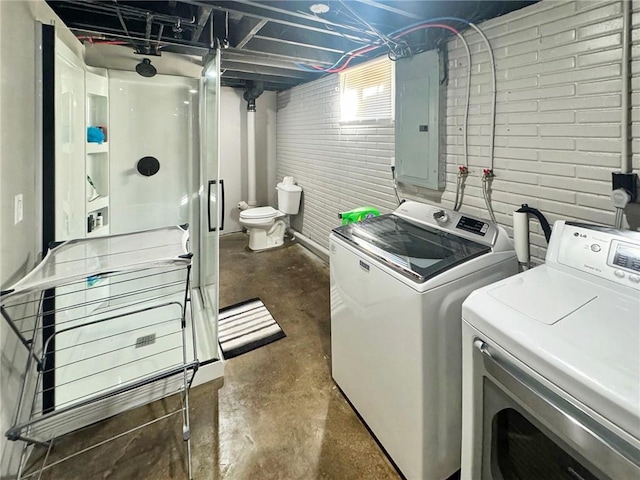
(266, 225)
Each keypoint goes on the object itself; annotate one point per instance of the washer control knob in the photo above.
(634, 278)
(595, 247)
(441, 216)
(618, 273)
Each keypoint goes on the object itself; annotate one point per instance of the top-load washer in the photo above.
(397, 285)
(552, 364)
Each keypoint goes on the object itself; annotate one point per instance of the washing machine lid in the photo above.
(419, 252)
(259, 212)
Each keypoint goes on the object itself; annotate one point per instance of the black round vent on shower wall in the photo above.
(148, 166)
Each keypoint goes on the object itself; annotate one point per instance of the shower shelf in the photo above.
(97, 203)
(97, 147)
(107, 327)
(97, 156)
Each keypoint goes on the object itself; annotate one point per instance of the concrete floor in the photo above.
(278, 415)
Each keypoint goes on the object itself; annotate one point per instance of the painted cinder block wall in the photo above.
(557, 124)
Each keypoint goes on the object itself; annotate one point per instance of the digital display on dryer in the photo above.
(472, 225)
(627, 257)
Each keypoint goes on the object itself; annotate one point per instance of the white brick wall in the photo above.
(557, 124)
(338, 166)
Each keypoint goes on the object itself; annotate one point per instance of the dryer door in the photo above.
(529, 431)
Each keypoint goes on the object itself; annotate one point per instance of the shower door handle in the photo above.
(214, 182)
(222, 213)
(211, 182)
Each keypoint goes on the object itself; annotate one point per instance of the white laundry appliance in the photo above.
(551, 364)
(397, 285)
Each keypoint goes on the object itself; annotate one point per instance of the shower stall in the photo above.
(155, 165)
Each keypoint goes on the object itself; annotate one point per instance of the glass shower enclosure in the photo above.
(211, 189)
(172, 119)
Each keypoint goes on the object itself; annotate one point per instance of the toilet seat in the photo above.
(260, 213)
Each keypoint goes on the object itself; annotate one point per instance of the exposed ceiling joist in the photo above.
(251, 33)
(284, 81)
(389, 8)
(228, 64)
(305, 17)
(277, 57)
(116, 9)
(272, 41)
(259, 60)
(298, 44)
(203, 15)
(282, 21)
(85, 29)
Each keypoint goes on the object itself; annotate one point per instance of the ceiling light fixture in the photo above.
(319, 8)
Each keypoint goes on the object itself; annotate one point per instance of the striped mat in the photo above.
(246, 326)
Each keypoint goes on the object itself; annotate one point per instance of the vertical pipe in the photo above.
(251, 152)
(521, 237)
(625, 156)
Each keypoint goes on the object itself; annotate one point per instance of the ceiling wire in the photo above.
(124, 25)
(348, 57)
(346, 37)
(385, 39)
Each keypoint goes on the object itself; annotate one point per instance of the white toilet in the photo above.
(266, 225)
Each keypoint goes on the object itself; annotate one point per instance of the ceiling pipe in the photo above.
(625, 156)
(147, 33)
(253, 91)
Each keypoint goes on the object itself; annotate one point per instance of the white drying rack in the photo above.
(107, 326)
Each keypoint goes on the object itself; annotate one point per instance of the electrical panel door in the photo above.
(418, 121)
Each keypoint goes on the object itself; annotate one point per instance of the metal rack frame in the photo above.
(76, 315)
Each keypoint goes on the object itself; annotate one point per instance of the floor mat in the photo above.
(246, 326)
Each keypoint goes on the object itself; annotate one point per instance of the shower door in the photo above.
(210, 188)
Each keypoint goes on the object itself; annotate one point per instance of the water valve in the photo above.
(487, 173)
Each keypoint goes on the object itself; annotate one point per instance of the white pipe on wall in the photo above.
(521, 237)
(251, 157)
(625, 157)
(312, 245)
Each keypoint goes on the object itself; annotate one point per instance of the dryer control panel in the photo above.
(610, 254)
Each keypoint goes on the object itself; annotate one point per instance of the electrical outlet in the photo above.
(18, 209)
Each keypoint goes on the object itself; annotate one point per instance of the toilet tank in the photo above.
(289, 196)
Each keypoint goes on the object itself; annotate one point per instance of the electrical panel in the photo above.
(418, 121)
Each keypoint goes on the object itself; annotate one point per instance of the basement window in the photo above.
(366, 92)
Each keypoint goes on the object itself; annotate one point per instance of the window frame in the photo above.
(392, 106)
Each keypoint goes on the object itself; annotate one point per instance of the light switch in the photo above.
(18, 209)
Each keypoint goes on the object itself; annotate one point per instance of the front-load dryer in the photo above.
(397, 285)
(551, 377)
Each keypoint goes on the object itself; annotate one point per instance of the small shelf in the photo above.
(98, 170)
(93, 148)
(97, 204)
(92, 215)
(98, 232)
(97, 155)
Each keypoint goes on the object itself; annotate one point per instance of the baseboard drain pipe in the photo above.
(312, 245)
